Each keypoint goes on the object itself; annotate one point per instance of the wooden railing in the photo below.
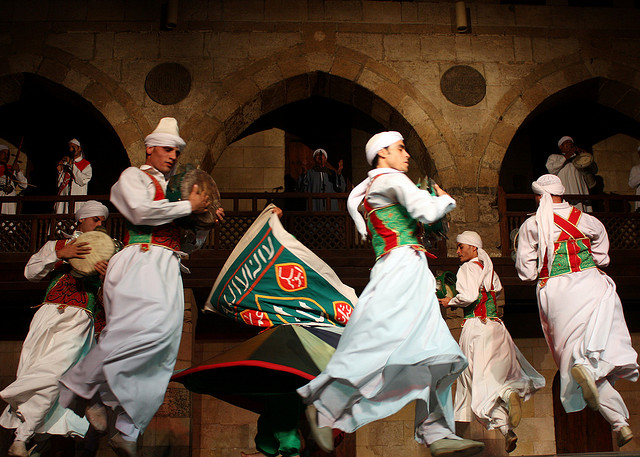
(317, 230)
(615, 211)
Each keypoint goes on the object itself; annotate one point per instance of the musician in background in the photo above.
(74, 174)
(12, 180)
(581, 314)
(323, 178)
(129, 369)
(562, 166)
(60, 334)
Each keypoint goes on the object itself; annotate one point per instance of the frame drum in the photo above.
(586, 165)
(179, 188)
(102, 248)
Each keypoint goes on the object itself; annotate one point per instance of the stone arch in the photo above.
(105, 94)
(546, 80)
(353, 78)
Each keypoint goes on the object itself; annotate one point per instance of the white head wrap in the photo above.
(166, 134)
(320, 151)
(90, 209)
(4, 147)
(563, 139)
(546, 185)
(76, 142)
(473, 239)
(380, 141)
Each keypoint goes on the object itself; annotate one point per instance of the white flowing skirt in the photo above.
(396, 348)
(138, 348)
(496, 367)
(57, 339)
(583, 323)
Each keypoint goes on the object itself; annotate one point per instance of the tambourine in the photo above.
(179, 188)
(446, 285)
(103, 247)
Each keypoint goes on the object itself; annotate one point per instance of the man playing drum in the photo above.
(562, 165)
(129, 369)
(498, 377)
(61, 332)
(580, 311)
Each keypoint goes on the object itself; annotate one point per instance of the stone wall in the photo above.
(247, 58)
(615, 157)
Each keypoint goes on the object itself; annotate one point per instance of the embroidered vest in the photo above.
(391, 226)
(485, 306)
(166, 235)
(67, 290)
(572, 249)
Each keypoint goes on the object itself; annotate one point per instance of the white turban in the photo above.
(92, 208)
(4, 147)
(473, 239)
(380, 141)
(76, 142)
(320, 151)
(563, 139)
(166, 134)
(546, 185)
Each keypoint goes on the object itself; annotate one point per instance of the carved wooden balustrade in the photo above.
(615, 212)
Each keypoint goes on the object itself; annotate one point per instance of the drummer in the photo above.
(61, 332)
(562, 166)
(129, 369)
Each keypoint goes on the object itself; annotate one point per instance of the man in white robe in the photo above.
(129, 369)
(498, 377)
(61, 332)
(580, 311)
(11, 180)
(396, 348)
(634, 180)
(562, 166)
(74, 174)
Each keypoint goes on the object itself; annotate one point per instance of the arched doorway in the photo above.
(590, 112)
(326, 111)
(43, 116)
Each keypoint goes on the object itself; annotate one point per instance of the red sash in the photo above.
(569, 233)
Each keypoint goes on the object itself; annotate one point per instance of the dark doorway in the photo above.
(43, 116)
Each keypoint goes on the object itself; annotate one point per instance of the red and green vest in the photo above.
(572, 249)
(485, 306)
(67, 290)
(390, 227)
(166, 235)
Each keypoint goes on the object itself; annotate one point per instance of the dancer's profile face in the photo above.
(394, 156)
(466, 252)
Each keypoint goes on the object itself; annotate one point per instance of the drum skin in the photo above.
(179, 188)
(586, 165)
(102, 248)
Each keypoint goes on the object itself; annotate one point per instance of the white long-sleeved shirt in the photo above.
(469, 283)
(634, 181)
(134, 194)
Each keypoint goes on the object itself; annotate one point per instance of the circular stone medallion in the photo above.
(463, 85)
(168, 83)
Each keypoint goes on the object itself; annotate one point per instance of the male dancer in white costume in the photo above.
(396, 347)
(580, 311)
(61, 332)
(498, 377)
(130, 367)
